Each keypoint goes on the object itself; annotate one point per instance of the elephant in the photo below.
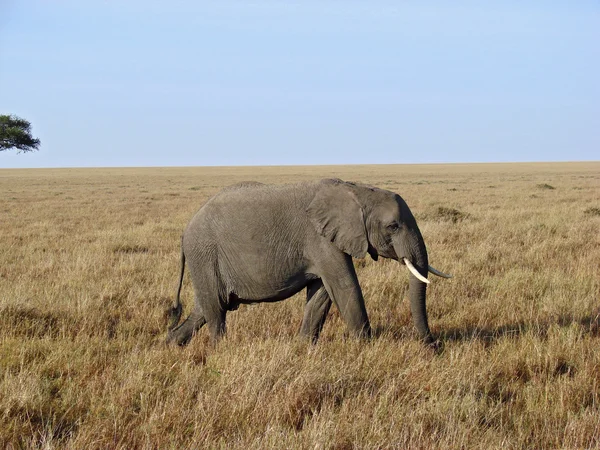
(254, 242)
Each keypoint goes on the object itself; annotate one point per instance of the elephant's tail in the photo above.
(175, 311)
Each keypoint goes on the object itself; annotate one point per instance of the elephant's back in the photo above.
(249, 197)
(255, 207)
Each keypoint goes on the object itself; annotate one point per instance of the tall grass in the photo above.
(88, 265)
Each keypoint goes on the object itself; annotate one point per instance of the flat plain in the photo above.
(89, 261)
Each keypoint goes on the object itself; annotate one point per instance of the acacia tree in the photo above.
(16, 133)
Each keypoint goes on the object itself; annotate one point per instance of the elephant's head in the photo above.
(361, 219)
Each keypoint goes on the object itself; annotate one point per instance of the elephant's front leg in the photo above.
(341, 283)
(318, 303)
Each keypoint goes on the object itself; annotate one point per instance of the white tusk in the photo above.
(438, 273)
(415, 272)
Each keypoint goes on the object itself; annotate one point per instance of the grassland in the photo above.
(89, 261)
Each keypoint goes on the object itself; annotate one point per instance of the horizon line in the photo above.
(306, 165)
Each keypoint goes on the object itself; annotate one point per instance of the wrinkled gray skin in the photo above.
(264, 243)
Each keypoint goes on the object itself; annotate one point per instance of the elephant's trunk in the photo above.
(417, 293)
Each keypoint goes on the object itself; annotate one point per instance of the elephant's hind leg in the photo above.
(209, 305)
(182, 334)
(318, 303)
(216, 324)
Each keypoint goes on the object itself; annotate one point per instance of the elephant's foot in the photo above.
(182, 334)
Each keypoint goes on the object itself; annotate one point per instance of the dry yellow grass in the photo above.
(89, 261)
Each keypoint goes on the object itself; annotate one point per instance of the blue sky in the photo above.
(132, 83)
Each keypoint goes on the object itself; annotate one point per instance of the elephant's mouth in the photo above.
(373, 252)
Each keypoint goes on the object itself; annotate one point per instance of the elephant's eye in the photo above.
(393, 226)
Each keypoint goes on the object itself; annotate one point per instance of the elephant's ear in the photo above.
(337, 215)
